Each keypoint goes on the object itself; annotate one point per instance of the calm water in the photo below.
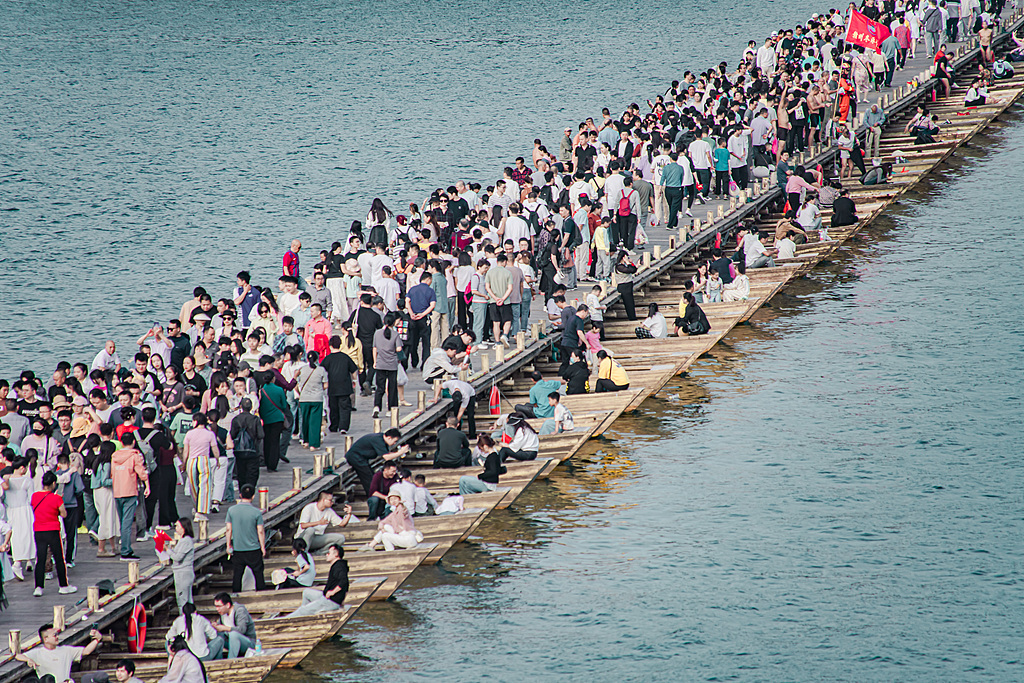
(149, 147)
(834, 495)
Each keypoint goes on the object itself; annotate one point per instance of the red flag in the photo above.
(862, 31)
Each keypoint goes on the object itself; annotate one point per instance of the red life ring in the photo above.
(495, 400)
(137, 629)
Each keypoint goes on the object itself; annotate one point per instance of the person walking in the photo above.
(342, 374)
(276, 418)
(247, 435)
(127, 467)
(183, 553)
(199, 447)
(387, 344)
(48, 510)
(246, 540)
(311, 381)
(672, 179)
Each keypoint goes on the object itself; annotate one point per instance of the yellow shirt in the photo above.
(610, 369)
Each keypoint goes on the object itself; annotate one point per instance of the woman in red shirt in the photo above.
(47, 510)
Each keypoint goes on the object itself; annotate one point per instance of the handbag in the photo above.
(288, 420)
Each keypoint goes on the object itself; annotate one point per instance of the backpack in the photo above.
(624, 204)
(468, 294)
(245, 443)
(563, 199)
(321, 345)
(148, 455)
(533, 218)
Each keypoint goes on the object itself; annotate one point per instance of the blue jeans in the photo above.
(237, 644)
(524, 311)
(479, 310)
(126, 511)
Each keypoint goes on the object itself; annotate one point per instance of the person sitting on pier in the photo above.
(654, 326)
(452, 446)
(562, 420)
(333, 595)
(577, 374)
(51, 658)
(486, 480)
(808, 217)
(611, 376)
(395, 530)
(739, 288)
(199, 633)
(786, 247)
(368, 448)
(316, 517)
(538, 405)
(124, 672)
(380, 486)
(755, 255)
(976, 94)
(692, 320)
(237, 627)
(878, 174)
(524, 444)
(844, 211)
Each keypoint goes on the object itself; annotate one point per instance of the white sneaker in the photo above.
(689, 213)
(376, 412)
(16, 570)
(66, 590)
(38, 592)
(504, 341)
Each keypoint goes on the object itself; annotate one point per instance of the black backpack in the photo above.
(245, 443)
(533, 218)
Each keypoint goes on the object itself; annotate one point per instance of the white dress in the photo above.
(19, 515)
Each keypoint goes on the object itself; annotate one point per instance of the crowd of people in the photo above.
(220, 392)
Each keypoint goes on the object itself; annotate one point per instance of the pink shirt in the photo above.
(201, 443)
(313, 328)
(593, 340)
(126, 468)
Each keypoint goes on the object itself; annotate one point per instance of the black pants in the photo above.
(506, 453)
(526, 409)
(272, 444)
(607, 385)
(164, 487)
(363, 470)
(704, 176)
(691, 193)
(419, 336)
(247, 466)
(469, 415)
(253, 559)
(71, 523)
(463, 312)
(674, 197)
(340, 409)
(625, 290)
(740, 176)
(627, 230)
(388, 379)
(721, 183)
(566, 352)
(50, 540)
(366, 375)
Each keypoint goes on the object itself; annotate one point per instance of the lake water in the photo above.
(832, 495)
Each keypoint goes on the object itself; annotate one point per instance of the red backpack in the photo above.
(624, 203)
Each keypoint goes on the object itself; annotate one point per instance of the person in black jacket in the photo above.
(721, 264)
(488, 479)
(844, 211)
(576, 374)
(333, 595)
(452, 446)
(694, 321)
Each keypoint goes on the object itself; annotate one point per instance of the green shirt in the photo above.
(270, 395)
(439, 284)
(244, 518)
(539, 397)
(499, 279)
(181, 423)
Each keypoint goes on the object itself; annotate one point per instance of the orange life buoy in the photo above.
(137, 629)
(495, 400)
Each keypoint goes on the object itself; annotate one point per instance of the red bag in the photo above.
(624, 203)
(495, 403)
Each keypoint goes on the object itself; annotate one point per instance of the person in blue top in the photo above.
(245, 296)
(672, 178)
(538, 405)
(368, 448)
(722, 169)
(422, 301)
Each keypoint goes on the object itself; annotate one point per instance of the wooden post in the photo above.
(377, 428)
(349, 440)
(329, 460)
(396, 418)
(657, 252)
(14, 641)
(421, 400)
(696, 226)
(604, 287)
(499, 354)
(711, 218)
(133, 572)
(58, 618)
(671, 242)
(535, 331)
(463, 375)
(92, 596)
(732, 203)
(682, 234)
(721, 210)
(203, 530)
(615, 279)
(264, 498)
(646, 260)
(742, 199)
(485, 361)
(318, 465)
(520, 340)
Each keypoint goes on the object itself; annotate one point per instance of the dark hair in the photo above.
(393, 433)
(186, 526)
(247, 491)
(389, 322)
(299, 546)
(128, 665)
(312, 357)
(222, 597)
(49, 478)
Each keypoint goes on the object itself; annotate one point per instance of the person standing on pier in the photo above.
(368, 448)
(127, 468)
(246, 540)
(48, 510)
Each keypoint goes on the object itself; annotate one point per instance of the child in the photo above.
(287, 336)
(593, 338)
(353, 282)
(302, 314)
(562, 420)
(71, 487)
(602, 237)
(424, 501)
(596, 308)
(713, 288)
(722, 169)
(452, 504)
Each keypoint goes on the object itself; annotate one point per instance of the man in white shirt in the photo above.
(107, 360)
(738, 148)
(515, 227)
(316, 517)
(54, 659)
(613, 187)
(579, 187)
(660, 203)
(471, 197)
(766, 57)
(786, 246)
(388, 288)
(760, 134)
(365, 261)
(700, 156)
(754, 253)
(379, 260)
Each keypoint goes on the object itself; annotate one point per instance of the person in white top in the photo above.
(613, 187)
(379, 260)
(809, 218)
(738, 147)
(316, 517)
(660, 203)
(654, 326)
(199, 634)
(754, 253)
(515, 228)
(702, 160)
(739, 288)
(562, 420)
(471, 197)
(107, 359)
(786, 246)
(766, 57)
(424, 503)
(388, 289)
